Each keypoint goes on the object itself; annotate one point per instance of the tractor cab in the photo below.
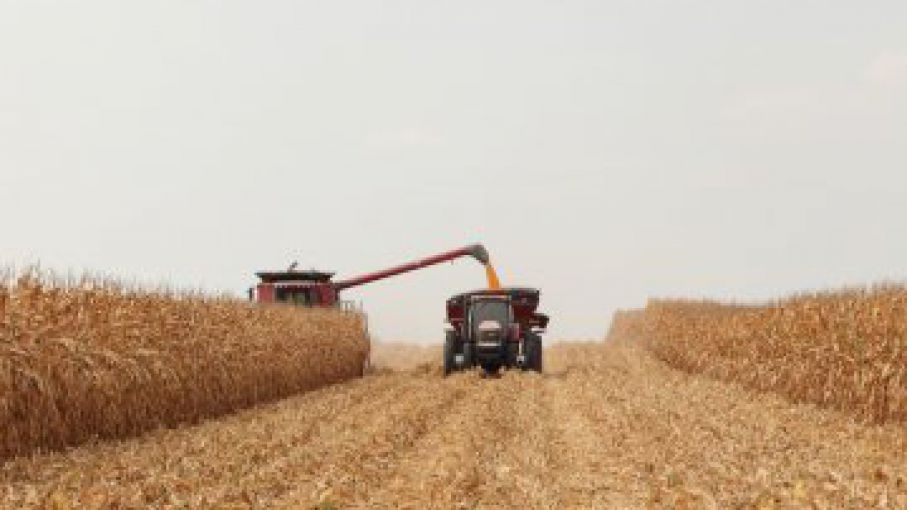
(490, 309)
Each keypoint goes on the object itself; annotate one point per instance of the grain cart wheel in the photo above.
(532, 347)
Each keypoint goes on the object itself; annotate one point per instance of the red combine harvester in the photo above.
(494, 328)
(315, 288)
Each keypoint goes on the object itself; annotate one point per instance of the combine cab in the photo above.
(304, 288)
(493, 329)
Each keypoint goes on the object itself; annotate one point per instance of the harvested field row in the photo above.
(607, 426)
(404, 356)
(846, 350)
(87, 358)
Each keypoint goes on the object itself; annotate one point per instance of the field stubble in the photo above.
(607, 426)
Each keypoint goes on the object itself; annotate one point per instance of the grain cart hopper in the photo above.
(494, 328)
(315, 288)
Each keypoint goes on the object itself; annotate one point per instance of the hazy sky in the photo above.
(604, 151)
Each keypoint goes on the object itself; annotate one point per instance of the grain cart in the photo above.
(494, 328)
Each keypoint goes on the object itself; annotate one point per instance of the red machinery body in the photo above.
(315, 288)
(525, 302)
(494, 329)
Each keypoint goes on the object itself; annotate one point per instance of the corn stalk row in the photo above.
(91, 358)
(845, 350)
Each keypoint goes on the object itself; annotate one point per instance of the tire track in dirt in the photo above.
(515, 469)
(487, 451)
(367, 438)
(370, 444)
(580, 466)
(442, 466)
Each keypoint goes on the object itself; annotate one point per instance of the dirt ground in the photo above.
(604, 427)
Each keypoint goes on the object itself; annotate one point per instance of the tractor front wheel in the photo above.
(449, 352)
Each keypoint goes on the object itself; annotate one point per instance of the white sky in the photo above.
(603, 151)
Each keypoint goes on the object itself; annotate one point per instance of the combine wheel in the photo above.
(532, 348)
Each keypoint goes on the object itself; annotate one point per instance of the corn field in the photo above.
(845, 350)
(91, 358)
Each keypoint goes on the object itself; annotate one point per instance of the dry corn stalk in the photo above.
(90, 358)
(845, 349)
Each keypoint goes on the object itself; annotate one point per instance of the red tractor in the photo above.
(493, 329)
(315, 288)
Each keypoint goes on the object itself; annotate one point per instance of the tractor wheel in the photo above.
(512, 355)
(532, 347)
(449, 353)
(468, 362)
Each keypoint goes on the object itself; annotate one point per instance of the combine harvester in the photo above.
(492, 328)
